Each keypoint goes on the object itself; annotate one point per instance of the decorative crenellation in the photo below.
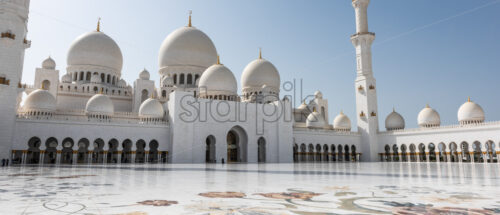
(8, 34)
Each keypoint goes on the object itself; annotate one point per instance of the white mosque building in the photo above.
(195, 113)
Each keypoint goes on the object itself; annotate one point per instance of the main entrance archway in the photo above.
(261, 150)
(236, 145)
(210, 150)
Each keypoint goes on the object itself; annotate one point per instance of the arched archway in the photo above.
(325, 153)
(112, 151)
(395, 153)
(404, 152)
(340, 154)
(432, 152)
(140, 153)
(442, 152)
(490, 151)
(83, 149)
(478, 154)
(67, 151)
(33, 156)
(318, 153)
(236, 145)
(347, 154)
(413, 151)
(334, 156)
(353, 153)
(310, 156)
(153, 151)
(51, 151)
(261, 150)
(295, 151)
(210, 149)
(127, 151)
(98, 153)
(144, 95)
(453, 152)
(387, 156)
(303, 152)
(46, 85)
(421, 152)
(465, 152)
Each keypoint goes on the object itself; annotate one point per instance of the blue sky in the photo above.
(426, 51)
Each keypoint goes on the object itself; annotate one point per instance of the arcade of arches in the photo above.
(325, 153)
(82, 152)
(475, 152)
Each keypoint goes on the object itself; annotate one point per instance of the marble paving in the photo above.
(261, 189)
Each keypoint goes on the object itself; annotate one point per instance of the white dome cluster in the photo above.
(66, 78)
(258, 73)
(49, 63)
(341, 122)
(187, 46)
(394, 121)
(144, 75)
(40, 102)
(218, 82)
(97, 49)
(315, 120)
(428, 117)
(470, 113)
(151, 110)
(99, 106)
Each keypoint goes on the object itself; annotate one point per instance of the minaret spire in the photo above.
(366, 94)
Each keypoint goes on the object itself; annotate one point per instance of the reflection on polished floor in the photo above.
(305, 188)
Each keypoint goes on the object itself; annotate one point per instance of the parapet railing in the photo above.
(472, 125)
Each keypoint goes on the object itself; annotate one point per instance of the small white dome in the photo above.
(429, 117)
(144, 75)
(218, 79)
(394, 121)
(303, 107)
(122, 83)
(187, 46)
(470, 112)
(100, 104)
(95, 79)
(151, 108)
(315, 120)
(260, 72)
(49, 63)
(96, 49)
(167, 81)
(342, 122)
(66, 78)
(40, 100)
(318, 95)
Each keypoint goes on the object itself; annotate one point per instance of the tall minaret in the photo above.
(13, 29)
(366, 94)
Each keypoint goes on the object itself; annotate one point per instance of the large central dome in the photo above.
(187, 46)
(95, 49)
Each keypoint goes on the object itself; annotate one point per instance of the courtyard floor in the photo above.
(305, 189)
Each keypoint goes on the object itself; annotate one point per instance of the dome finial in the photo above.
(468, 99)
(99, 25)
(341, 112)
(393, 109)
(260, 53)
(189, 24)
(427, 105)
(218, 60)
